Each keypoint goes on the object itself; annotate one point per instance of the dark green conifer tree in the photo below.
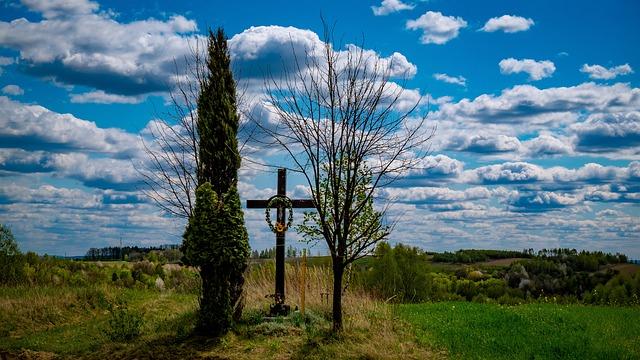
(216, 239)
(218, 119)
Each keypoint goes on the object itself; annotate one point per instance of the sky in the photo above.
(536, 107)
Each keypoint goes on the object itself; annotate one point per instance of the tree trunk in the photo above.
(215, 308)
(338, 271)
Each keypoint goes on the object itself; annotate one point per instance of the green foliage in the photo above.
(12, 262)
(620, 290)
(124, 324)
(531, 331)
(366, 227)
(8, 244)
(217, 241)
(403, 274)
(218, 119)
(473, 256)
(400, 273)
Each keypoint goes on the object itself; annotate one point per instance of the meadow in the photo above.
(469, 330)
(439, 310)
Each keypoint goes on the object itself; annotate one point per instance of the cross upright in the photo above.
(279, 308)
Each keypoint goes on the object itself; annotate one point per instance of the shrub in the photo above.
(92, 297)
(467, 289)
(145, 267)
(400, 272)
(124, 324)
(494, 288)
(126, 279)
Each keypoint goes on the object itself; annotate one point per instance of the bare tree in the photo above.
(172, 166)
(349, 131)
(171, 169)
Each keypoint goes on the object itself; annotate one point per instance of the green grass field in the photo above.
(532, 331)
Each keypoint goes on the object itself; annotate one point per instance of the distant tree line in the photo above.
(472, 255)
(270, 253)
(170, 253)
(587, 259)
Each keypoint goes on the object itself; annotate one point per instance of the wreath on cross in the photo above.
(279, 201)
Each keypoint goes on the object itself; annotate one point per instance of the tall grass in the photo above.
(260, 283)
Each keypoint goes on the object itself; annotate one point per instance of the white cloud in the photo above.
(537, 70)
(509, 172)
(4, 61)
(532, 107)
(100, 97)
(546, 144)
(262, 50)
(508, 24)
(390, 6)
(606, 132)
(437, 28)
(61, 8)
(483, 143)
(98, 172)
(34, 126)
(527, 173)
(601, 73)
(12, 90)
(124, 58)
(435, 195)
(542, 201)
(102, 173)
(458, 80)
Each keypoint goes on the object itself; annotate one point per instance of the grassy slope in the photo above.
(533, 331)
(38, 322)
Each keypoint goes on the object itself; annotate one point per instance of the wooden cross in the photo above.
(280, 308)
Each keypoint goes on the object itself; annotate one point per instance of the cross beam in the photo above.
(280, 308)
(296, 204)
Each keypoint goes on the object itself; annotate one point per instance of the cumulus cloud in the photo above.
(61, 215)
(390, 6)
(505, 173)
(508, 24)
(61, 8)
(526, 173)
(435, 195)
(49, 194)
(542, 201)
(121, 58)
(438, 167)
(97, 172)
(100, 97)
(600, 72)
(483, 143)
(4, 61)
(102, 173)
(528, 105)
(547, 145)
(537, 70)
(458, 80)
(12, 90)
(273, 49)
(37, 128)
(437, 28)
(607, 132)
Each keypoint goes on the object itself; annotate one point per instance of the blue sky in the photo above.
(537, 108)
